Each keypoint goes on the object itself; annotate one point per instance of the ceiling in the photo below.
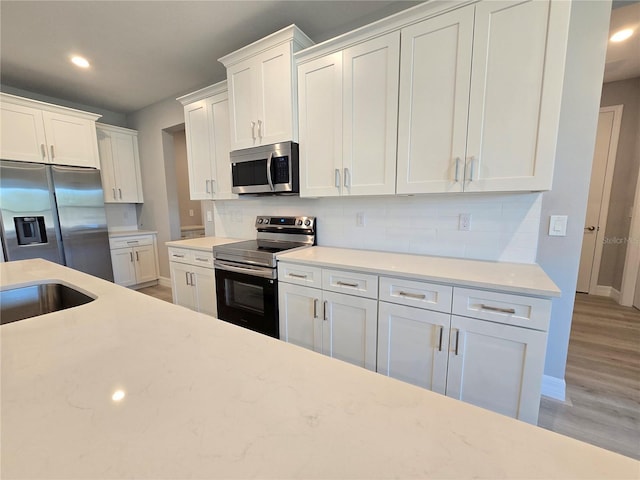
(143, 52)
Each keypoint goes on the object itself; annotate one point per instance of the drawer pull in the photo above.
(177, 255)
(294, 275)
(132, 241)
(440, 341)
(497, 309)
(200, 259)
(345, 284)
(419, 296)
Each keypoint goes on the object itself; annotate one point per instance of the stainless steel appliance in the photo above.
(246, 274)
(56, 213)
(268, 169)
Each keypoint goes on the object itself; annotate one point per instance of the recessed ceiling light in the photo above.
(622, 35)
(80, 61)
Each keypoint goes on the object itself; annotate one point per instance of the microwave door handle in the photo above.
(269, 179)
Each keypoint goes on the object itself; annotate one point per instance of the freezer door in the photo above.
(27, 211)
(83, 221)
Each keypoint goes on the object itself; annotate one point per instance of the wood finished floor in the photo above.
(603, 376)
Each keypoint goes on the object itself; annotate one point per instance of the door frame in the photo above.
(632, 257)
(606, 195)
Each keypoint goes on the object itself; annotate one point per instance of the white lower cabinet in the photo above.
(193, 280)
(134, 260)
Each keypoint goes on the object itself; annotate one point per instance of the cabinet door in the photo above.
(22, 134)
(71, 140)
(183, 292)
(300, 315)
(320, 124)
(127, 168)
(516, 88)
(107, 166)
(124, 271)
(349, 332)
(412, 345)
(435, 71)
(274, 99)
(204, 280)
(145, 257)
(498, 367)
(242, 111)
(196, 120)
(371, 116)
(218, 107)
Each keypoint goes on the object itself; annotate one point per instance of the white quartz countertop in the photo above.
(127, 233)
(201, 243)
(522, 278)
(206, 399)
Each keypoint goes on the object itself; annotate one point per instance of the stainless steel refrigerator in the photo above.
(56, 213)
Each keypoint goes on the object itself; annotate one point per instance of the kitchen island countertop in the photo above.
(206, 399)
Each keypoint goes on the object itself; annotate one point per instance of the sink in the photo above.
(26, 302)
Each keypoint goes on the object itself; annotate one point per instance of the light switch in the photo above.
(558, 225)
(209, 216)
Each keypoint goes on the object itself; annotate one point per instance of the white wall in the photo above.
(503, 226)
(560, 256)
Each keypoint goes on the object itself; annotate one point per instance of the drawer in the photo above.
(412, 293)
(202, 259)
(519, 310)
(132, 241)
(352, 283)
(181, 255)
(300, 274)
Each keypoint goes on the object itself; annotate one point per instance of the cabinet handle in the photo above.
(53, 153)
(131, 256)
(345, 284)
(186, 274)
(114, 193)
(132, 242)
(120, 193)
(207, 186)
(200, 259)
(192, 276)
(497, 309)
(44, 151)
(253, 130)
(137, 257)
(457, 177)
(315, 308)
(177, 255)
(419, 296)
(295, 275)
(440, 341)
(325, 305)
(471, 168)
(213, 186)
(337, 178)
(260, 129)
(347, 178)
(457, 342)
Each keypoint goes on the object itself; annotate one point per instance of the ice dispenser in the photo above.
(30, 230)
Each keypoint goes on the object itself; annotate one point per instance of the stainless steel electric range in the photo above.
(246, 273)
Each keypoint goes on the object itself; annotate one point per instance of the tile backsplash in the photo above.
(503, 226)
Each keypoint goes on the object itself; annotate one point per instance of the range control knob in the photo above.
(299, 222)
(307, 222)
(266, 220)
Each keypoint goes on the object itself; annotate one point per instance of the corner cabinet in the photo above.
(120, 164)
(262, 89)
(33, 131)
(206, 114)
(135, 260)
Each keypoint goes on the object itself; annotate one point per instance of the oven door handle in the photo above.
(269, 179)
(245, 269)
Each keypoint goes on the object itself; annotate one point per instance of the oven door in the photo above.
(247, 296)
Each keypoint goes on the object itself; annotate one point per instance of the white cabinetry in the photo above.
(480, 98)
(34, 131)
(120, 164)
(340, 325)
(262, 96)
(193, 279)
(348, 120)
(206, 114)
(134, 259)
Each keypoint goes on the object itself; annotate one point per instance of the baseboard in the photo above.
(554, 387)
(164, 282)
(607, 291)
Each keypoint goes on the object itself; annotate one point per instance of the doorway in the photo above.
(604, 159)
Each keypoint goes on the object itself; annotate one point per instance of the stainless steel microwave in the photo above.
(268, 169)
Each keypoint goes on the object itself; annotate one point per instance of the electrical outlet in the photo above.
(191, 212)
(464, 222)
(360, 219)
(209, 216)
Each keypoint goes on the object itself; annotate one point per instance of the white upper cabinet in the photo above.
(206, 114)
(120, 164)
(348, 120)
(34, 131)
(261, 79)
(435, 71)
(480, 98)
